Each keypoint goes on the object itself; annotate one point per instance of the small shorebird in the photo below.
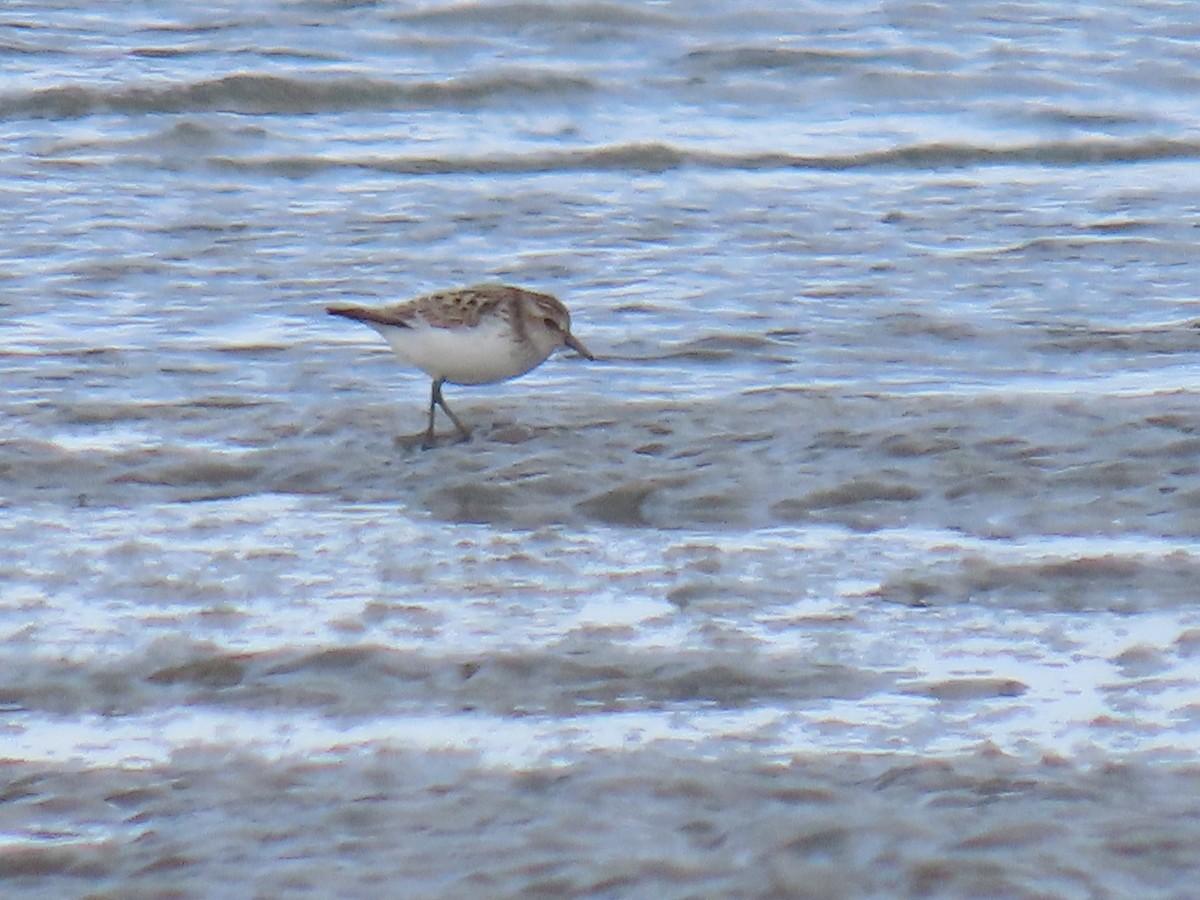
(474, 335)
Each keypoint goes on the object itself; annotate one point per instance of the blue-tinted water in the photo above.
(868, 543)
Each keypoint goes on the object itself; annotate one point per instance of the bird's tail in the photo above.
(350, 311)
(364, 314)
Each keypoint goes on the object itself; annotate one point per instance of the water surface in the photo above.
(862, 560)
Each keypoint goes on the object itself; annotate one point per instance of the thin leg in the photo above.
(435, 394)
(437, 400)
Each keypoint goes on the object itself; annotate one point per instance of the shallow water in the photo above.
(862, 562)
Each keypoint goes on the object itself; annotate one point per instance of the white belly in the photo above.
(478, 355)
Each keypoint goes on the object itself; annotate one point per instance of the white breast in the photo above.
(477, 355)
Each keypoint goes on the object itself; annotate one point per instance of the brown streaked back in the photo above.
(458, 308)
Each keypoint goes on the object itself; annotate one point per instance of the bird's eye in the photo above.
(551, 324)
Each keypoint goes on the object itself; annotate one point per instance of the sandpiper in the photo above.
(474, 335)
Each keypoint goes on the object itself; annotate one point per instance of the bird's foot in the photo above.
(427, 440)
